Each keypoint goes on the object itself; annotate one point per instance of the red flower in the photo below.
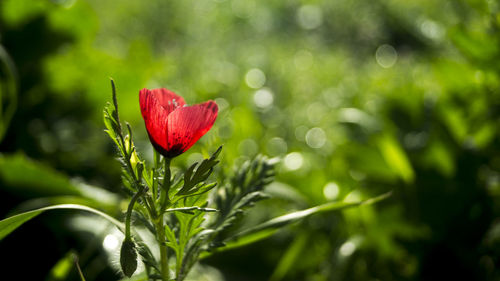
(172, 126)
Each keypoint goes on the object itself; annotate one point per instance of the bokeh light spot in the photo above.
(263, 98)
(248, 147)
(347, 248)
(316, 112)
(300, 132)
(331, 191)
(110, 242)
(276, 146)
(309, 16)
(386, 56)
(431, 29)
(255, 78)
(222, 103)
(316, 137)
(294, 161)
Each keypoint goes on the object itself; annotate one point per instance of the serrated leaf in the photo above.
(244, 190)
(172, 240)
(197, 191)
(197, 174)
(267, 229)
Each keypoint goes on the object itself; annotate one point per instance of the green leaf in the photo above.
(244, 190)
(194, 177)
(266, 229)
(12, 223)
(36, 203)
(8, 90)
(395, 157)
(290, 257)
(200, 189)
(19, 174)
(193, 208)
(62, 268)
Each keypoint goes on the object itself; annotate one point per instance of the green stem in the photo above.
(150, 204)
(80, 273)
(129, 213)
(160, 227)
(160, 231)
(167, 182)
(156, 157)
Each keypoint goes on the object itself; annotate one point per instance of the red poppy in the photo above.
(172, 126)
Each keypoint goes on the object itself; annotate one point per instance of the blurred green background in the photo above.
(357, 98)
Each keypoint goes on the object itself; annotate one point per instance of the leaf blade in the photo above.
(270, 227)
(10, 224)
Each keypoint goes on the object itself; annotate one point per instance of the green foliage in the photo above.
(356, 97)
(243, 190)
(268, 228)
(12, 223)
(183, 203)
(61, 269)
(26, 175)
(194, 183)
(8, 90)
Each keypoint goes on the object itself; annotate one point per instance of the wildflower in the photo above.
(172, 126)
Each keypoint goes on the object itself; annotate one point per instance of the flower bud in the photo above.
(128, 257)
(130, 149)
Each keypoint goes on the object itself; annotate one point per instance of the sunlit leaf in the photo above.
(290, 257)
(395, 157)
(272, 226)
(8, 90)
(12, 223)
(24, 176)
(62, 268)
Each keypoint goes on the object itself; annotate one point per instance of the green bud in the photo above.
(130, 149)
(128, 257)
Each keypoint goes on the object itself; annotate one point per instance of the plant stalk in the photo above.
(129, 213)
(167, 179)
(167, 183)
(160, 232)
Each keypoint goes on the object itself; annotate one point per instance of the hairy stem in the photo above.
(129, 213)
(168, 174)
(160, 233)
(167, 182)
(154, 187)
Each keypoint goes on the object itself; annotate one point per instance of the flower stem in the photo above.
(160, 232)
(154, 187)
(167, 183)
(168, 174)
(129, 213)
(160, 228)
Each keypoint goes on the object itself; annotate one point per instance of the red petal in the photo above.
(186, 125)
(167, 99)
(155, 118)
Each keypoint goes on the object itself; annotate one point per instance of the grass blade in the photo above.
(12, 223)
